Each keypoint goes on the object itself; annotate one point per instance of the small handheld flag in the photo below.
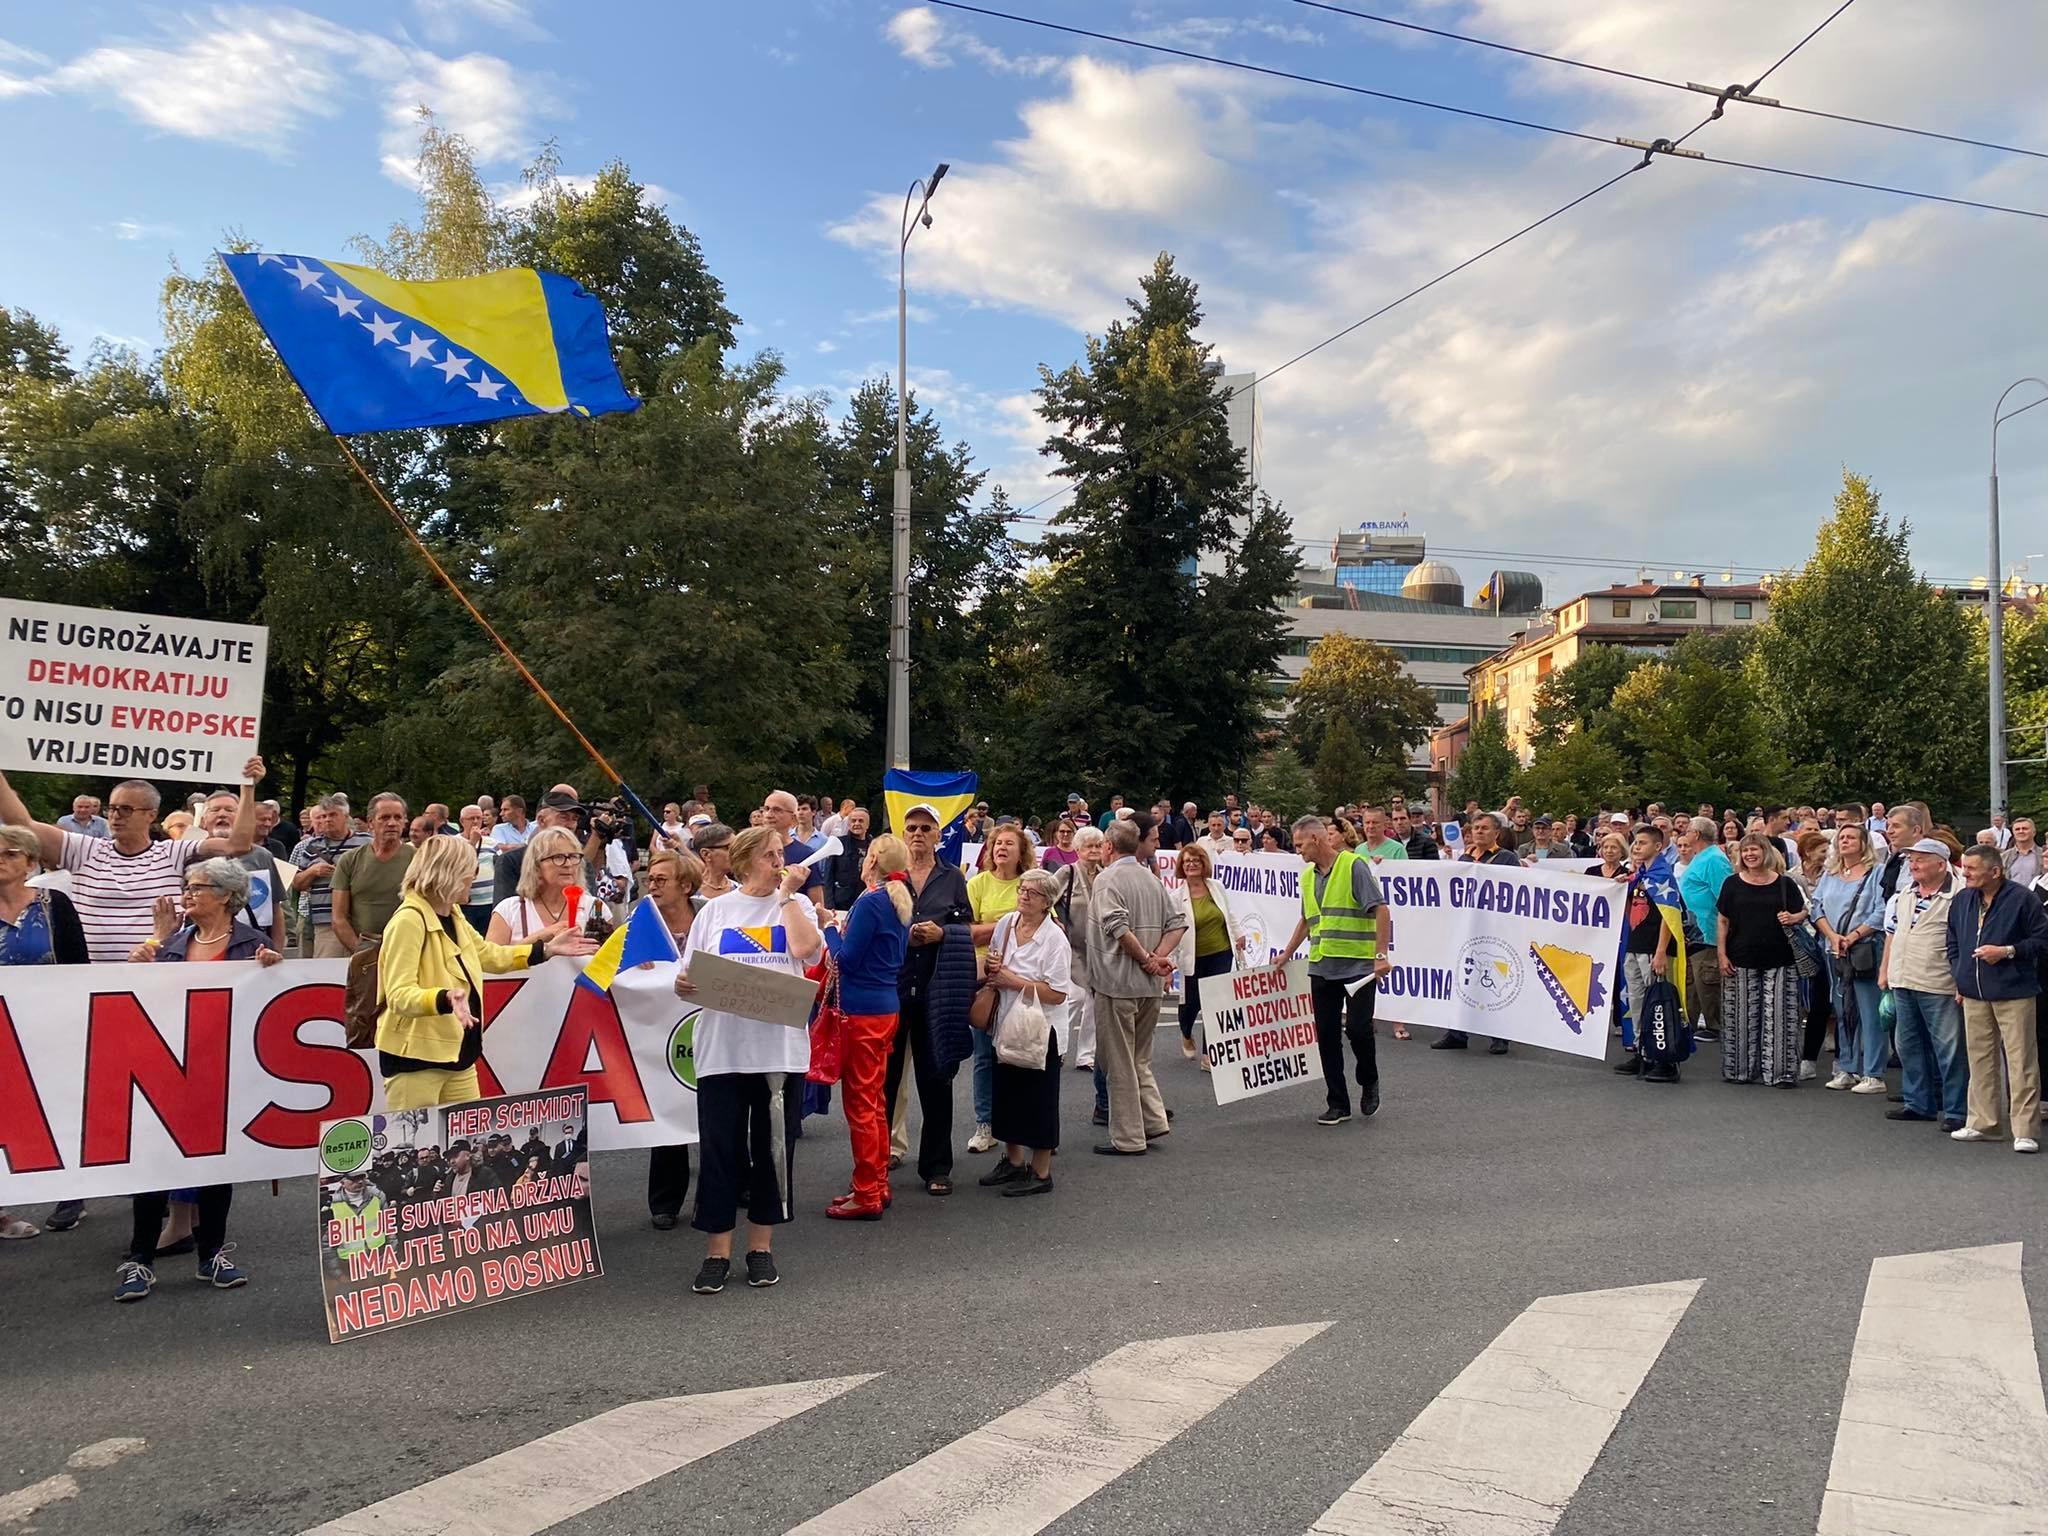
(374, 354)
(949, 794)
(645, 937)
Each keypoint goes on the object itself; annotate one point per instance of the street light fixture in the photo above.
(899, 544)
(1995, 616)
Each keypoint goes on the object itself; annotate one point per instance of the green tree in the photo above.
(1577, 695)
(1352, 679)
(1344, 770)
(1280, 783)
(1155, 673)
(964, 583)
(1866, 675)
(1693, 730)
(1576, 774)
(1487, 768)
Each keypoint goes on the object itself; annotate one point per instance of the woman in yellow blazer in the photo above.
(430, 972)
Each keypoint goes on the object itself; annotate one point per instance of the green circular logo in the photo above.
(345, 1147)
(682, 1050)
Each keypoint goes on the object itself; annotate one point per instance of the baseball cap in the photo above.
(700, 820)
(1618, 819)
(1542, 821)
(1073, 798)
(928, 808)
(1929, 845)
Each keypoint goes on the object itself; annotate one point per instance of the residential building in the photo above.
(1648, 617)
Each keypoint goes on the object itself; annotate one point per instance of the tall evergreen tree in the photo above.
(1155, 676)
(1867, 675)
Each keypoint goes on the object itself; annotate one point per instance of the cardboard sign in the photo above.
(752, 992)
(1259, 1031)
(84, 690)
(427, 1212)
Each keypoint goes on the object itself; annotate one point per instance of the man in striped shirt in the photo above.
(116, 880)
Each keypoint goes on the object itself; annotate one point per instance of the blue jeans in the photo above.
(984, 1075)
(1861, 1045)
(1936, 1072)
(1101, 1091)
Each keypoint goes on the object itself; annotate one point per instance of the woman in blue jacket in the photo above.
(867, 953)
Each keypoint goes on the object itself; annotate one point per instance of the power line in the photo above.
(1744, 96)
(1659, 146)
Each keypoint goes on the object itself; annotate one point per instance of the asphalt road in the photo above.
(1417, 1236)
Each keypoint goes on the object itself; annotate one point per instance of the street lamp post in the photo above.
(1996, 617)
(899, 544)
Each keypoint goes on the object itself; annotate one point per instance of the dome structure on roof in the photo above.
(1434, 582)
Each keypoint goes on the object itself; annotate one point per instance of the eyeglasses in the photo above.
(130, 810)
(560, 858)
(12, 853)
(192, 890)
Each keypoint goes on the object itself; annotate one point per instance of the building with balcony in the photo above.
(1647, 617)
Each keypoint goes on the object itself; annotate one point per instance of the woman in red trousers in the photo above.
(867, 949)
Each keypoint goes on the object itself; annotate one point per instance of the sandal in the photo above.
(938, 1186)
(14, 1228)
(1401, 1032)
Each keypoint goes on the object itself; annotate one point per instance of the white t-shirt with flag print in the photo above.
(748, 929)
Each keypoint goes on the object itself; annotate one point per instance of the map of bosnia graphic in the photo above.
(1573, 982)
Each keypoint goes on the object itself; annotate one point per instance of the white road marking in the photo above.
(1019, 1473)
(1943, 1429)
(104, 1453)
(531, 1487)
(1503, 1448)
(24, 1504)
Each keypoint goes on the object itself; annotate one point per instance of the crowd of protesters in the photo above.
(1873, 934)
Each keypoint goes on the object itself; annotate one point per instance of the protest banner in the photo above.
(752, 992)
(1264, 892)
(1259, 1031)
(1520, 954)
(128, 693)
(426, 1212)
(118, 1079)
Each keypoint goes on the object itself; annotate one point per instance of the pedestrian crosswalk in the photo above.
(1942, 1432)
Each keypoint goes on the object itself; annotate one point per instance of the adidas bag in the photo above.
(1663, 1033)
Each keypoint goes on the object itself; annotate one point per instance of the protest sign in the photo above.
(1264, 892)
(426, 1212)
(115, 1079)
(752, 992)
(1259, 1030)
(128, 693)
(1520, 954)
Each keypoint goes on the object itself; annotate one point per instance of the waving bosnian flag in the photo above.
(374, 354)
(644, 937)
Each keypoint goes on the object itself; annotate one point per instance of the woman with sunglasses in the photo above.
(1241, 840)
(216, 893)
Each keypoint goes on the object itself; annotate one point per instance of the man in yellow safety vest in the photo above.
(1350, 935)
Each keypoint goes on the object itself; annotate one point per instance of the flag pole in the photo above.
(485, 624)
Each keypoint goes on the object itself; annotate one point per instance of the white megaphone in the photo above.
(831, 846)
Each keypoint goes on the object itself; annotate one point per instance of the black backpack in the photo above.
(1663, 1032)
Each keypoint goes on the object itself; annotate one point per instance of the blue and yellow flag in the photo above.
(374, 354)
(644, 937)
(948, 794)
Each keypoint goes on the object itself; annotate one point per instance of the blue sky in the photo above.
(1672, 376)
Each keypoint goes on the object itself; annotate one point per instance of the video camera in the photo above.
(609, 819)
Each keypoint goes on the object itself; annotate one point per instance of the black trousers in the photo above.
(1336, 1017)
(737, 1151)
(1191, 988)
(208, 1232)
(934, 1091)
(1820, 1011)
(668, 1179)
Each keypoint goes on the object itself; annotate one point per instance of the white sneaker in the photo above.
(2025, 1144)
(981, 1140)
(1968, 1133)
(1808, 1072)
(1841, 1080)
(1870, 1085)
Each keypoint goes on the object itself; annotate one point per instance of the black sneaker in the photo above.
(64, 1215)
(1664, 1074)
(1948, 1124)
(1497, 1048)
(761, 1270)
(711, 1278)
(1451, 1040)
(1371, 1106)
(1030, 1184)
(663, 1221)
(1333, 1117)
(1100, 1117)
(1003, 1172)
(1630, 1065)
(1903, 1113)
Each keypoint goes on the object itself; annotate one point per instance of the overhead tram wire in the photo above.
(1660, 146)
(1745, 97)
(1024, 514)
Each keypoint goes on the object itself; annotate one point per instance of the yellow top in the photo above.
(992, 898)
(417, 963)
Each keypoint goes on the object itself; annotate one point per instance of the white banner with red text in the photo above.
(118, 1079)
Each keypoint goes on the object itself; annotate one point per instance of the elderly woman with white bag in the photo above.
(1029, 968)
